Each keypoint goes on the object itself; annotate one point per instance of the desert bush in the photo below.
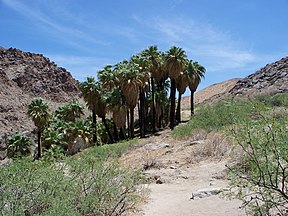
(260, 179)
(280, 99)
(214, 146)
(150, 160)
(18, 145)
(82, 185)
(220, 116)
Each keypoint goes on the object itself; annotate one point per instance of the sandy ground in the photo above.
(179, 168)
(174, 198)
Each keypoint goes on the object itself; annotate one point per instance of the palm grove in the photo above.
(147, 83)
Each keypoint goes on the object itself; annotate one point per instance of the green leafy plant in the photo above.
(260, 179)
(18, 145)
(91, 184)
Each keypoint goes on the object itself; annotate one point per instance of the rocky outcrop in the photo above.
(37, 75)
(24, 76)
(272, 78)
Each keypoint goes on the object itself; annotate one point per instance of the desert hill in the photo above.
(273, 78)
(24, 76)
(211, 93)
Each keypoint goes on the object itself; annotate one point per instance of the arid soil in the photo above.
(210, 93)
(186, 177)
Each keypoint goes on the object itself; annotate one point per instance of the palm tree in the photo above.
(181, 85)
(116, 103)
(101, 108)
(18, 145)
(108, 77)
(175, 62)
(39, 111)
(154, 61)
(90, 95)
(131, 81)
(194, 72)
(70, 111)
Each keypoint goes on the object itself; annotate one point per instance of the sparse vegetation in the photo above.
(89, 184)
(260, 177)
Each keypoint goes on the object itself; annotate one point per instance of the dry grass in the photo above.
(150, 160)
(214, 146)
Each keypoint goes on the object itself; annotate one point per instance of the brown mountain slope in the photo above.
(272, 78)
(211, 93)
(24, 76)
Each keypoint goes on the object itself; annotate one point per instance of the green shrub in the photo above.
(91, 183)
(18, 145)
(260, 180)
(280, 99)
(220, 116)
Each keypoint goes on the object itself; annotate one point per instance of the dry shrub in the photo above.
(199, 134)
(214, 146)
(150, 160)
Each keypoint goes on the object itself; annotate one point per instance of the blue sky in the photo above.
(230, 38)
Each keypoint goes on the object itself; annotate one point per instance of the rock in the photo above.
(156, 146)
(158, 179)
(270, 79)
(196, 142)
(173, 167)
(169, 151)
(5, 161)
(205, 193)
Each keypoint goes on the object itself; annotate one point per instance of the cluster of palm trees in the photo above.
(60, 128)
(143, 81)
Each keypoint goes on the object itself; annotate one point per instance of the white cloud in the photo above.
(215, 49)
(69, 35)
(203, 41)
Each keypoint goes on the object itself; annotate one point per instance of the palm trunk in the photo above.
(153, 106)
(161, 118)
(142, 114)
(172, 105)
(160, 89)
(94, 125)
(145, 114)
(178, 110)
(39, 144)
(132, 122)
(192, 103)
(107, 130)
(116, 137)
(122, 134)
(128, 124)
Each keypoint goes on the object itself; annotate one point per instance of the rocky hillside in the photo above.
(210, 93)
(273, 78)
(270, 79)
(24, 76)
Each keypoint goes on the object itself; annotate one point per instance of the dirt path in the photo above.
(181, 183)
(174, 198)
